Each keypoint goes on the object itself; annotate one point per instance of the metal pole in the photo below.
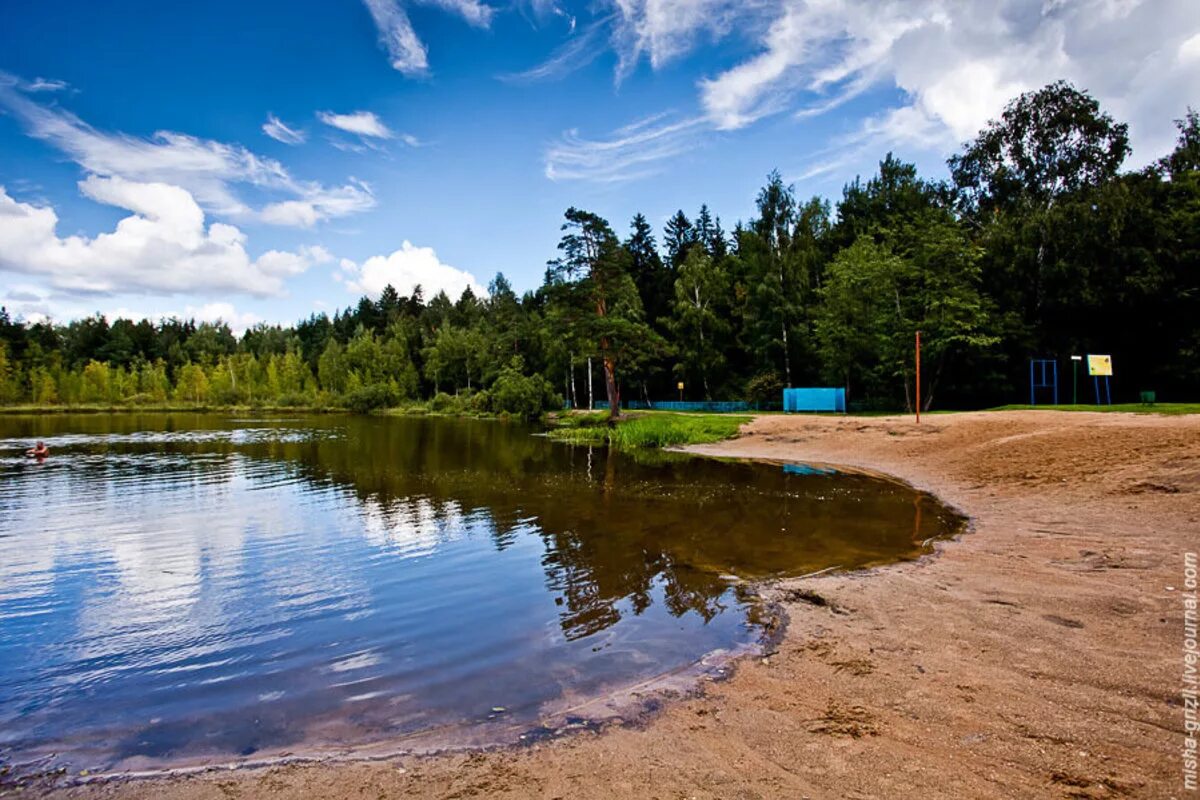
(918, 377)
(1074, 382)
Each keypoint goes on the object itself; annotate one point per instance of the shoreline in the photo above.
(1033, 656)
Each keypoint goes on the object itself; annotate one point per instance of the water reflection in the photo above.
(175, 586)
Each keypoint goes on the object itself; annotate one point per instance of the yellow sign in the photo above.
(1099, 365)
(681, 386)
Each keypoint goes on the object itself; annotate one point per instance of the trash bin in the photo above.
(1147, 398)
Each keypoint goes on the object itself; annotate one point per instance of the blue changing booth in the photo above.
(814, 400)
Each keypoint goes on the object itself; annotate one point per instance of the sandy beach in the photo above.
(1037, 655)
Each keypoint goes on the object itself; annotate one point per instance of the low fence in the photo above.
(711, 406)
(814, 399)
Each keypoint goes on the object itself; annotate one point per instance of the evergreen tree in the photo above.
(596, 301)
(678, 237)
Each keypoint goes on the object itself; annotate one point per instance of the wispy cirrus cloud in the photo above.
(476, 13)
(581, 48)
(634, 151)
(280, 131)
(361, 123)
(397, 36)
(45, 85)
(663, 30)
(210, 171)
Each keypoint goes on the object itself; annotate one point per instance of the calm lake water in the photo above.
(181, 588)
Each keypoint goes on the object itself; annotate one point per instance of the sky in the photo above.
(260, 162)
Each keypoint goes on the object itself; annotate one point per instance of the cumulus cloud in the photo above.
(634, 151)
(238, 321)
(208, 170)
(404, 269)
(396, 34)
(163, 246)
(280, 131)
(360, 123)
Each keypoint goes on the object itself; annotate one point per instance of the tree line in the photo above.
(1038, 245)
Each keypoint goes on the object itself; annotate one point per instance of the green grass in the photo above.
(647, 430)
(1128, 408)
(580, 419)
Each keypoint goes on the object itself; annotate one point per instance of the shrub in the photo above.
(480, 402)
(443, 403)
(370, 398)
(765, 387)
(521, 395)
(293, 399)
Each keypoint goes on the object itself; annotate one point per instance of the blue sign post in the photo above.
(1043, 374)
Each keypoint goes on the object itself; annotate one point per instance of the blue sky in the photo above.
(259, 161)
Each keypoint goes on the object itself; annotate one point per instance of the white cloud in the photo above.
(628, 153)
(396, 35)
(238, 321)
(662, 30)
(280, 131)
(404, 269)
(1190, 50)
(45, 85)
(208, 170)
(957, 64)
(163, 247)
(474, 12)
(319, 202)
(361, 123)
(581, 49)
(952, 65)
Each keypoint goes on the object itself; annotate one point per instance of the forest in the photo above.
(1039, 245)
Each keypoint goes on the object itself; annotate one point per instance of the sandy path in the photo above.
(1037, 656)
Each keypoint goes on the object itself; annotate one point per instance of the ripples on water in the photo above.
(186, 588)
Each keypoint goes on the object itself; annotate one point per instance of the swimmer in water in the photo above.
(38, 451)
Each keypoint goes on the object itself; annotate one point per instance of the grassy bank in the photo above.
(1128, 408)
(650, 429)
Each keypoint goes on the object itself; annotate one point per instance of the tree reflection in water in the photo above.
(214, 585)
(614, 523)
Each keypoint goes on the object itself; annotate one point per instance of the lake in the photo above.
(189, 589)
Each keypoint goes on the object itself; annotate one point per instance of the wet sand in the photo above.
(1038, 655)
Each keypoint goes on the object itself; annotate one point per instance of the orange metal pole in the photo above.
(918, 377)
